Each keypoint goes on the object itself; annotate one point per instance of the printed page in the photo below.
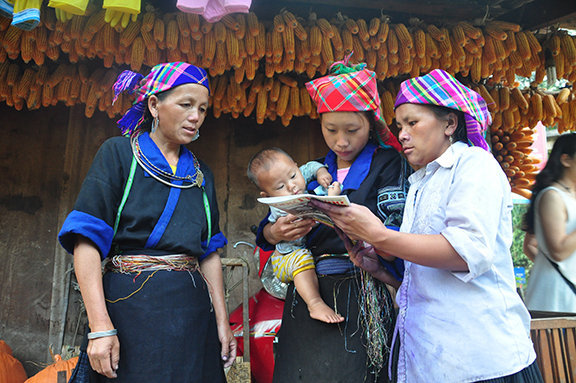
(298, 205)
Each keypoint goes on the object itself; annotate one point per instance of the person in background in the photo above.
(460, 318)
(148, 209)
(530, 246)
(363, 158)
(550, 225)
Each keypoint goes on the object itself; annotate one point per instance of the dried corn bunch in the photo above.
(389, 90)
(511, 135)
(512, 150)
(266, 98)
(497, 50)
(69, 84)
(289, 43)
(11, 41)
(515, 114)
(562, 47)
(243, 53)
(566, 101)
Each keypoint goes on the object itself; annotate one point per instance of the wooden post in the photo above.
(63, 261)
(83, 138)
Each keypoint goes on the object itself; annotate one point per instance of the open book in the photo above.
(298, 205)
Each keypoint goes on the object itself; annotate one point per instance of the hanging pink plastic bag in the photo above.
(215, 11)
(237, 6)
(192, 6)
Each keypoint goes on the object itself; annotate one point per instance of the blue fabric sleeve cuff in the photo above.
(87, 226)
(395, 267)
(216, 242)
(320, 190)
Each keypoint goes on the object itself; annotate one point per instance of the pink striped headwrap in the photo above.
(440, 88)
(161, 78)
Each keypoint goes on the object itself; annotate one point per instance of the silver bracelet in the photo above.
(102, 334)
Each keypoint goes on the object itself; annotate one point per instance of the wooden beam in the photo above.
(399, 10)
(530, 14)
(542, 13)
(411, 7)
(431, 11)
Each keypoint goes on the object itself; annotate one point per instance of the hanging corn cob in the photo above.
(244, 51)
(485, 51)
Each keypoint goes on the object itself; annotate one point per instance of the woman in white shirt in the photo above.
(551, 219)
(460, 318)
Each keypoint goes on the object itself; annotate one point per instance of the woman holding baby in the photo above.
(363, 158)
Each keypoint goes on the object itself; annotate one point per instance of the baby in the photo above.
(276, 174)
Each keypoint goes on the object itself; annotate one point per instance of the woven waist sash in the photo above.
(137, 263)
(327, 264)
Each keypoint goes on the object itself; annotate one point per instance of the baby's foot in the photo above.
(322, 312)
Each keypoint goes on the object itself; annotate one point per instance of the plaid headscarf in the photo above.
(350, 89)
(161, 78)
(440, 88)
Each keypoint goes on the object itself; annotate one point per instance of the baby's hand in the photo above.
(334, 189)
(323, 177)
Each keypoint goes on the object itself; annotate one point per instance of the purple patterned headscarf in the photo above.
(440, 88)
(161, 78)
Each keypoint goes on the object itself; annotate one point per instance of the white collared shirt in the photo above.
(462, 326)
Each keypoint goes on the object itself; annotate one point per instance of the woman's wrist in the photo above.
(102, 334)
(384, 255)
(101, 324)
(225, 322)
(220, 311)
(222, 322)
(377, 237)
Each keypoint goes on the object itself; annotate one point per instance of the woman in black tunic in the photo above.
(373, 175)
(148, 209)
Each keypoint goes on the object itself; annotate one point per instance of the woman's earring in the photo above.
(451, 139)
(154, 125)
